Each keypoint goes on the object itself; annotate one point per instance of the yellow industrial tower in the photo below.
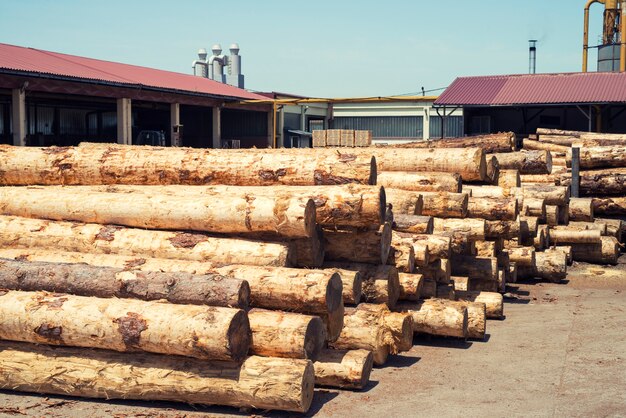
(613, 48)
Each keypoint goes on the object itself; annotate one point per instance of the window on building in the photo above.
(454, 127)
(316, 125)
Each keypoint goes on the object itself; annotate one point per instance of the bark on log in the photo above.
(474, 228)
(493, 209)
(352, 285)
(568, 236)
(405, 202)
(604, 182)
(402, 254)
(481, 268)
(597, 225)
(445, 205)
(539, 178)
(286, 384)
(343, 369)
(437, 317)
(535, 207)
(551, 266)
(437, 246)
(460, 283)
(410, 286)
(95, 238)
(485, 248)
(381, 283)
(429, 289)
(526, 162)
(205, 332)
(530, 144)
(500, 142)
(288, 335)
(414, 224)
(502, 229)
(93, 164)
(493, 191)
(606, 252)
(552, 215)
(108, 282)
(476, 320)
(398, 325)
(508, 178)
(600, 157)
(420, 182)
(358, 246)
(552, 195)
(494, 302)
(233, 213)
(522, 256)
(439, 270)
(609, 206)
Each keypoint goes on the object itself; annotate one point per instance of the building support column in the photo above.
(426, 124)
(124, 121)
(271, 127)
(280, 128)
(175, 133)
(19, 117)
(217, 127)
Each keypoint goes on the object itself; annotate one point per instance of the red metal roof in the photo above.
(38, 61)
(565, 88)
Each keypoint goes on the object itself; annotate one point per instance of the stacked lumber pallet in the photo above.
(341, 138)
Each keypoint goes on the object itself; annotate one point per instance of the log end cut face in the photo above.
(239, 336)
(315, 338)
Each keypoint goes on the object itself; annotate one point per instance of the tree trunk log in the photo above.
(109, 282)
(205, 332)
(597, 225)
(539, 178)
(476, 320)
(344, 369)
(551, 266)
(528, 230)
(93, 164)
(609, 206)
(419, 251)
(289, 335)
(600, 157)
(605, 182)
(381, 283)
(410, 286)
(475, 267)
(493, 191)
(606, 252)
(567, 250)
(310, 251)
(541, 240)
(552, 195)
(502, 229)
(421, 182)
(429, 289)
(428, 248)
(287, 384)
(493, 209)
(398, 325)
(460, 283)
(614, 227)
(233, 213)
(526, 162)
(445, 205)
(95, 238)
(530, 144)
(486, 248)
(569, 236)
(359, 246)
(509, 178)
(439, 270)
(402, 254)
(405, 202)
(494, 302)
(473, 228)
(535, 207)
(414, 224)
(445, 291)
(352, 285)
(523, 256)
(552, 215)
(500, 142)
(438, 317)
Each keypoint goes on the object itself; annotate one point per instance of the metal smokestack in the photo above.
(532, 56)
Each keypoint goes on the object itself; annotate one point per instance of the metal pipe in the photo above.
(575, 187)
(622, 57)
(586, 33)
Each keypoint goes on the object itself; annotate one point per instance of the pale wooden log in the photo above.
(234, 213)
(606, 252)
(604, 182)
(381, 283)
(493, 191)
(405, 202)
(436, 246)
(499, 142)
(566, 141)
(551, 266)
(481, 268)
(522, 256)
(493, 169)
(309, 252)
(529, 144)
(460, 283)
(429, 289)
(564, 214)
(541, 240)
(581, 209)
(493, 209)
(343, 369)
(410, 286)
(287, 384)
(359, 246)
(553, 195)
(402, 254)
(109, 282)
(502, 229)
(526, 162)
(597, 225)
(439, 270)
(437, 317)
(95, 238)
(445, 291)
(92, 164)
(558, 162)
(552, 215)
(565, 249)
(399, 326)
(485, 248)
(535, 207)
(528, 229)
(461, 242)
(352, 285)
(206, 332)
(445, 205)
(476, 320)
(420, 182)
(569, 236)
(474, 228)
(609, 206)
(283, 334)
(539, 178)
(509, 178)
(414, 224)
(614, 227)
(600, 157)
(494, 302)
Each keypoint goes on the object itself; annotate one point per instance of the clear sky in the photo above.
(317, 48)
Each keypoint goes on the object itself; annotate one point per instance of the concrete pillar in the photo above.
(124, 121)
(175, 124)
(280, 128)
(19, 117)
(217, 127)
(426, 124)
(271, 118)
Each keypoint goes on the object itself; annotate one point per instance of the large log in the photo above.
(552, 195)
(439, 270)
(552, 215)
(414, 224)
(420, 182)
(508, 178)
(600, 157)
(530, 144)
(405, 202)
(402, 253)
(473, 228)
(502, 229)
(232, 213)
(95, 238)
(609, 206)
(499, 142)
(283, 334)
(526, 162)
(399, 326)
(540, 178)
(534, 207)
(551, 266)
(410, 286)
(493, 209)
(476, 320)
(437, 246)
(352, 285)
(486, 248)
(108, 282)
(528, 229)
(92, 164)
(605, 182)
(522, 256)
(445, 205)
(560, 236)
(493, 191)
(344, 369)
(606, 252)
(614, 227)
(437, 317)
(481, 268)
(359, 246)
(494, 302)
(460, 283)
(259, 382)
(205, 332)
(381, 283)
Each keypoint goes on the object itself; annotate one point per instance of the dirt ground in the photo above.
(560, 352)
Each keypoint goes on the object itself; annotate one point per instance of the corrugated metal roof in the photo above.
(565, 88)
(38, 61)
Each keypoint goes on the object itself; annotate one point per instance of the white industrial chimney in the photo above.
(214, 66)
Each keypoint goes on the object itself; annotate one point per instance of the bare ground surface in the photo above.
(560, 352)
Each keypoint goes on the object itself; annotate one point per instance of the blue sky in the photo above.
(317, 48)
